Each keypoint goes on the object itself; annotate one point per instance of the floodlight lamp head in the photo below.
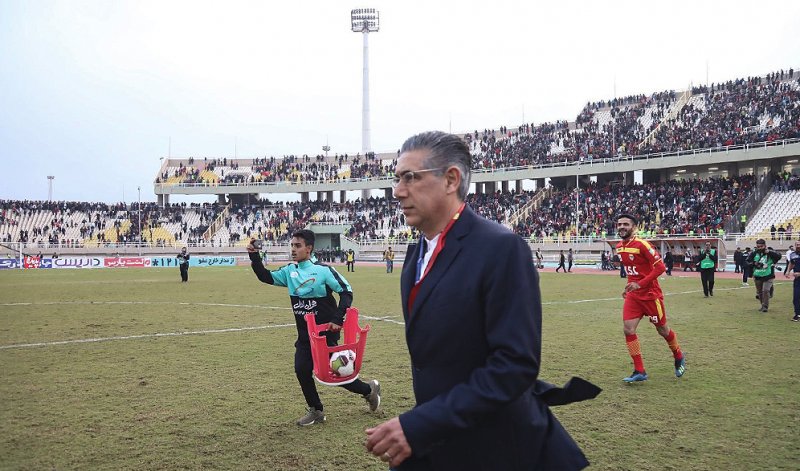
(365, 20)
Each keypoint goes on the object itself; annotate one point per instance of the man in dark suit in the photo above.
(472, 310)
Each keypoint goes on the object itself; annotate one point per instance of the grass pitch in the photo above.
(130, 369)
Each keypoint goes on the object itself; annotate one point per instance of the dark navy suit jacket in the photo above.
(474, 337)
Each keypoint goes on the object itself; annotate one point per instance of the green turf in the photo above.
(228, 400)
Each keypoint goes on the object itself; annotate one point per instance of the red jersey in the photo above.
(643, 265)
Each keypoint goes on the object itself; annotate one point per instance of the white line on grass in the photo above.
(52, 303)
(172, 334)
(390, 319)
(143, 336)
(617, 298)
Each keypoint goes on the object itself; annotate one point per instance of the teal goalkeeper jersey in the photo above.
(311, 286)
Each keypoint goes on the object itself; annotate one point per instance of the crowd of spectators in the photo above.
(758, 109)
(74, 224)
(289, 168)
(674, 207)
(755, 109)
(786, 181)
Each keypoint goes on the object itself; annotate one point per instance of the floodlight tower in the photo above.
(139, 217)
(50, 187)
(365, 21)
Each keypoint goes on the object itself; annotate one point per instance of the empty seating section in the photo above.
(602, 118)
(780, 209)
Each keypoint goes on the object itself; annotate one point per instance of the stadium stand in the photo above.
(755, 109)
(674, 207)
(780, 209)
(741, 111)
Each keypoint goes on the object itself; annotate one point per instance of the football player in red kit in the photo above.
(643, 296)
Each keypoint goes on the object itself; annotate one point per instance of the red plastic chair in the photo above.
(355, 339)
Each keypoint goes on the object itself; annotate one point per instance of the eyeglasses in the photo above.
(411, 176)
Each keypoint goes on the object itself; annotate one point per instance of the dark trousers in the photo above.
(560, 266)
(796, 297)
(738, 266)
(304, 366)
(763, 289)
(669, 269)
(745, 273)
(351, 266)
(707, 277)
(184, 272)
(570, 266)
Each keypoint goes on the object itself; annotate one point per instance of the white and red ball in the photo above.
(343, 362)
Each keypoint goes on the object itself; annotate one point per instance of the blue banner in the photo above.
(9, 263)
(212, 261)
(194, 261)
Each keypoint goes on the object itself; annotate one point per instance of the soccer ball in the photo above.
(343, 363)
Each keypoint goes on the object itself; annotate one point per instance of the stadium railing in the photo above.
(586, 162)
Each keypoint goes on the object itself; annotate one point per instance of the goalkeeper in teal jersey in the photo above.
(311, 286)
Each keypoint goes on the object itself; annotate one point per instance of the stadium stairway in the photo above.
(671, 113)
(218, 223)
(529, 207)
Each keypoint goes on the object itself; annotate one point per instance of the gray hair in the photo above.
(446, 150)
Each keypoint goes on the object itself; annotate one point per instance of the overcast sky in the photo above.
(93, 92)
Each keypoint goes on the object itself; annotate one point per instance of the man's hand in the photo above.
(388, 441)
(334, 327)
(250, 247)
(632, 286)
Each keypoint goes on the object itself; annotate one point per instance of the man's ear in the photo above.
(453, 178)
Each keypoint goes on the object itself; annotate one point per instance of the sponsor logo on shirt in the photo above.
(304, 306)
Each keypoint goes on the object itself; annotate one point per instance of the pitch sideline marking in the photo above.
(142, 336)
(170, 334)
(579, 301)
(53, 303)
(389, 319)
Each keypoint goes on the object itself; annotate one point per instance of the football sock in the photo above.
(636, 351)
(672, 341)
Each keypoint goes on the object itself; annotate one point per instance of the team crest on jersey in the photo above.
(630, 257)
